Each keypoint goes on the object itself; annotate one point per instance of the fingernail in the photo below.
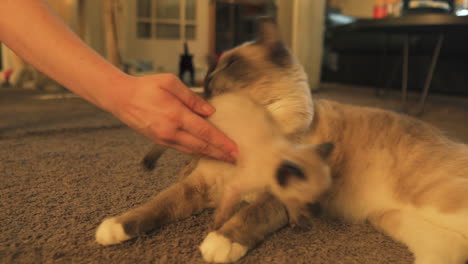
(232, 158)
(228, 158)
(208, 109)
(234, 155)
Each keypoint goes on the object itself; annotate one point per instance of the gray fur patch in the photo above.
(279, 55)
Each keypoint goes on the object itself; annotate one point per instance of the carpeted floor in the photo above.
(65, 165)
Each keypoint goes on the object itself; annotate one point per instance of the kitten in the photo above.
(268, 161)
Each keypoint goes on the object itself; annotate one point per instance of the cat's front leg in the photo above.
(244, 230)
(227, 205)
(177, 202)
(231, 198)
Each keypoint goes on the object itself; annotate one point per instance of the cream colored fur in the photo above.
(401, 174)
(262, 149)
(292, 108)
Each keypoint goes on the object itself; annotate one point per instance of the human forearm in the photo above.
(160, 106)
(44, 41)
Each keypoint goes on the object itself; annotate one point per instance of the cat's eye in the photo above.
(288, 170)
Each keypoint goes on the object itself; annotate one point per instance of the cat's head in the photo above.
(301, 178)
(264, 62)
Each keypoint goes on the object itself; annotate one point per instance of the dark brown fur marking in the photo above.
(279, 55)
(177, 202)
(253, 222)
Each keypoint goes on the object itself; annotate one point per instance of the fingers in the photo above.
(178, 123)
(185, 142)
(197, 145)
(188, 97)
(168, 142)
(180, 148)
(207, 132)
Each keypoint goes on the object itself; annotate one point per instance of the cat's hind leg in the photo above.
(429, 242)
(181, 200)
(150, 159)
(244, 230)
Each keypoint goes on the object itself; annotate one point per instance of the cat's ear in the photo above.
(324, 150)
(269, 36)
(288, 170)
(267, 32)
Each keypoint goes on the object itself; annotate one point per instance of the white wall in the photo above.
(285, 19)
(308, 39)
(5, 57)
(302, 25)
(94, 32)
(358, 8)
(165, 53)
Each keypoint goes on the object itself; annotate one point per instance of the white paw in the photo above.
(217, 248)
(110, 232)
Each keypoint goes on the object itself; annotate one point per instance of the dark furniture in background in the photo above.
(431, 49)
(407, 10)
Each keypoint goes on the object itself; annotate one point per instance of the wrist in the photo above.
(116, 92)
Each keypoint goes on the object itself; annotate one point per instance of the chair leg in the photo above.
(393, 74)
(430, 74)
(378, 89)
(405, 74)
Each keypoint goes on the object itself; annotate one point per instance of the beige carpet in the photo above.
(59, 177)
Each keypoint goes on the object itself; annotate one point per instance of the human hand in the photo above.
(163, 109)
(158, 106)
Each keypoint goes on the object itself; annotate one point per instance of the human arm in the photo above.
(158, 106)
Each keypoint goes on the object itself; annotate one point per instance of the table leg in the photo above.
(383, 60)
(430, 74)
(405, 74)
(395, 67)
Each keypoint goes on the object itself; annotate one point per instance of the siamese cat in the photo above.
(400, 174)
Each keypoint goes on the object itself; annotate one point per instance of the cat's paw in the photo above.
(217, 248)
(111, 232)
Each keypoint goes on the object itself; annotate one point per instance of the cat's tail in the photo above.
(150, 159)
